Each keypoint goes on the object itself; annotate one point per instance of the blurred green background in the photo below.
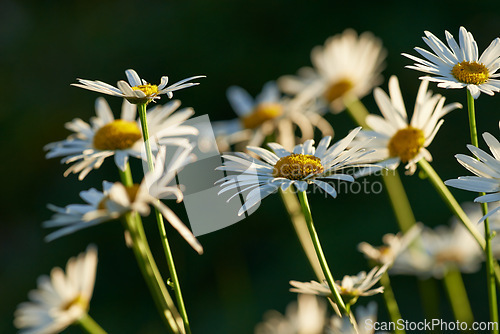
(46, 45)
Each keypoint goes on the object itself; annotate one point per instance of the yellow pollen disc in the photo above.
(149, 90)
(406, 143)
(338, 89)
(263, 112)
(117, 135)
(77, 301)
(297, 166)
(470, 73)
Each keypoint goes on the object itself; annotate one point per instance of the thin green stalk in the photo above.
(457, 295)
(319, 252)
(90, 325)
(390, 302)
(294, 210)
(455, 208)
(490, 280)
(163, 301)
(161, 226)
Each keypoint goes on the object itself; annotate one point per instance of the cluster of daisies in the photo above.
(276, 129)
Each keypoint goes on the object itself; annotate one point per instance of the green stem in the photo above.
(457, 295)
(161, 226)
(163, 301)
(490, 271)
(319, 252)
(390, 302)
(90, 325)
(455, 208)
(293, 208)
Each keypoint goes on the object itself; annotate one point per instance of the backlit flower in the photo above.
(137, 90)
(398, 140)
(304, 166)
(105, 136)
(459, 66)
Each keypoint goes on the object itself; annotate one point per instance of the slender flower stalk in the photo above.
(490, 271)
(161, 226)
(457, 295)
(90, 326)
(147, 265)
(319, 252)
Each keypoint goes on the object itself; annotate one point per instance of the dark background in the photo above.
(46, 45)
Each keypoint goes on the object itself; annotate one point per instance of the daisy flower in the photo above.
(307, 315)
(393, 246)
(61, 299)
(115, 200)
(303, 166)
(438, 251)
(347, 66)
(350, 288)
(105, 136)
(487, 170)
(398, 140)
(268, 114)
(459, 66)
(137, 90)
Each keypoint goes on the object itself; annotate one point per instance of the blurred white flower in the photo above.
(116, 200)
(137, 90)
(91, 144)
(347, 66)
(438, 251)
(269, 114)
(61, 299)
(307, 316)
(459, 66)
(395, 138)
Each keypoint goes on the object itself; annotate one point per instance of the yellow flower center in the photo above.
(297, 166)
(406, 143)
(470, 73)
(338, 89)
(263, 112)
(149, 90)
(79, 300)
(117, 135)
